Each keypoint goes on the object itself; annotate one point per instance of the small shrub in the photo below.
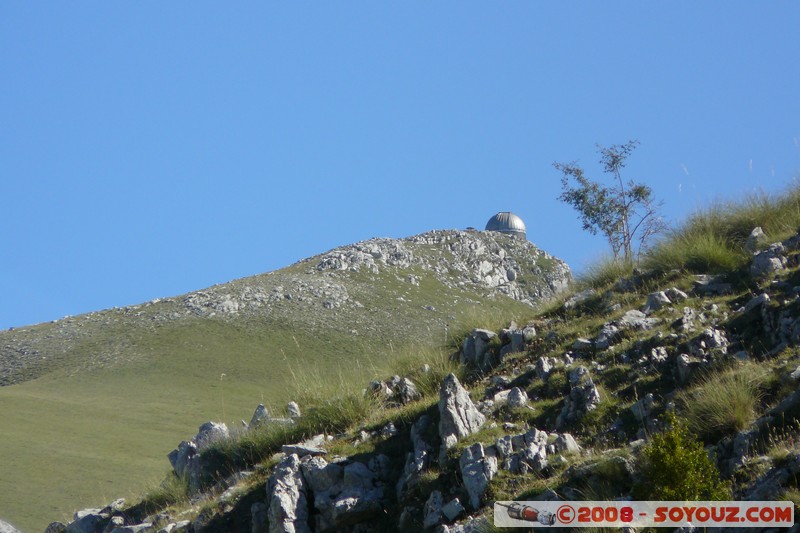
(723, 403)
(556, 385)
(173, 490)
(337, 414)
(712, 240)
(695, 251)
(605, 272)
(676, 467)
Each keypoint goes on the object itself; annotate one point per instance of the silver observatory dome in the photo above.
(508, 223)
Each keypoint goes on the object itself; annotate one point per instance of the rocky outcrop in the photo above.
(485, 259)
(458, 416)
(524, 453)
(345, 493)
(186, 458)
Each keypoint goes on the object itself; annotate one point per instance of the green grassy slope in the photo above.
(113, 392)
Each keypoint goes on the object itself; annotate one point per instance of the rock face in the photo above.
(5, 527)
(287, 498)
(345, 494)
(418, 460)
(458, 416)
(478, 467)
(486, 259)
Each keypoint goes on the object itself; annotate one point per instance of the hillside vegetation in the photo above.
(677, 380)
(92, 404)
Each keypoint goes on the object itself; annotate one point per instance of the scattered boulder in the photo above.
(583, 344)
(184, 527)
(403, 391)
(609, 334)
(769, 261)
(186, 458)
(180, 456)
(397, 391)
(656, 301)
(453, 509)
(579, 298)
(565, 443)
(517, 398)
(458, 416)
(475, 348)
(433, 510)
(87, 521)
(478, 467)
(641, 409)
(686, 323)
(209, 433)
(705, 284)
(583, 397)
(756, 240)
(636, 320)
(545, 365)
(712, 339)
(293, 409)
(514, 398)
(757, 302)
(380, 390)
(676, 295)
(301, 450)
(513, 340)
(260, 415)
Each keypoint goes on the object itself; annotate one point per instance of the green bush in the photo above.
(676, 467)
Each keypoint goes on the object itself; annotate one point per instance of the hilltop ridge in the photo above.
(344, 279)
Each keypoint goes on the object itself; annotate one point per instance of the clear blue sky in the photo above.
(148, 149)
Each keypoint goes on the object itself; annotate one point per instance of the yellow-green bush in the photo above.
(676, 467)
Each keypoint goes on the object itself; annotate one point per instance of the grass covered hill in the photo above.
(90, 405)
(677, 380)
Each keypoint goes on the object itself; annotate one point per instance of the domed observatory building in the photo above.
(508, 223)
